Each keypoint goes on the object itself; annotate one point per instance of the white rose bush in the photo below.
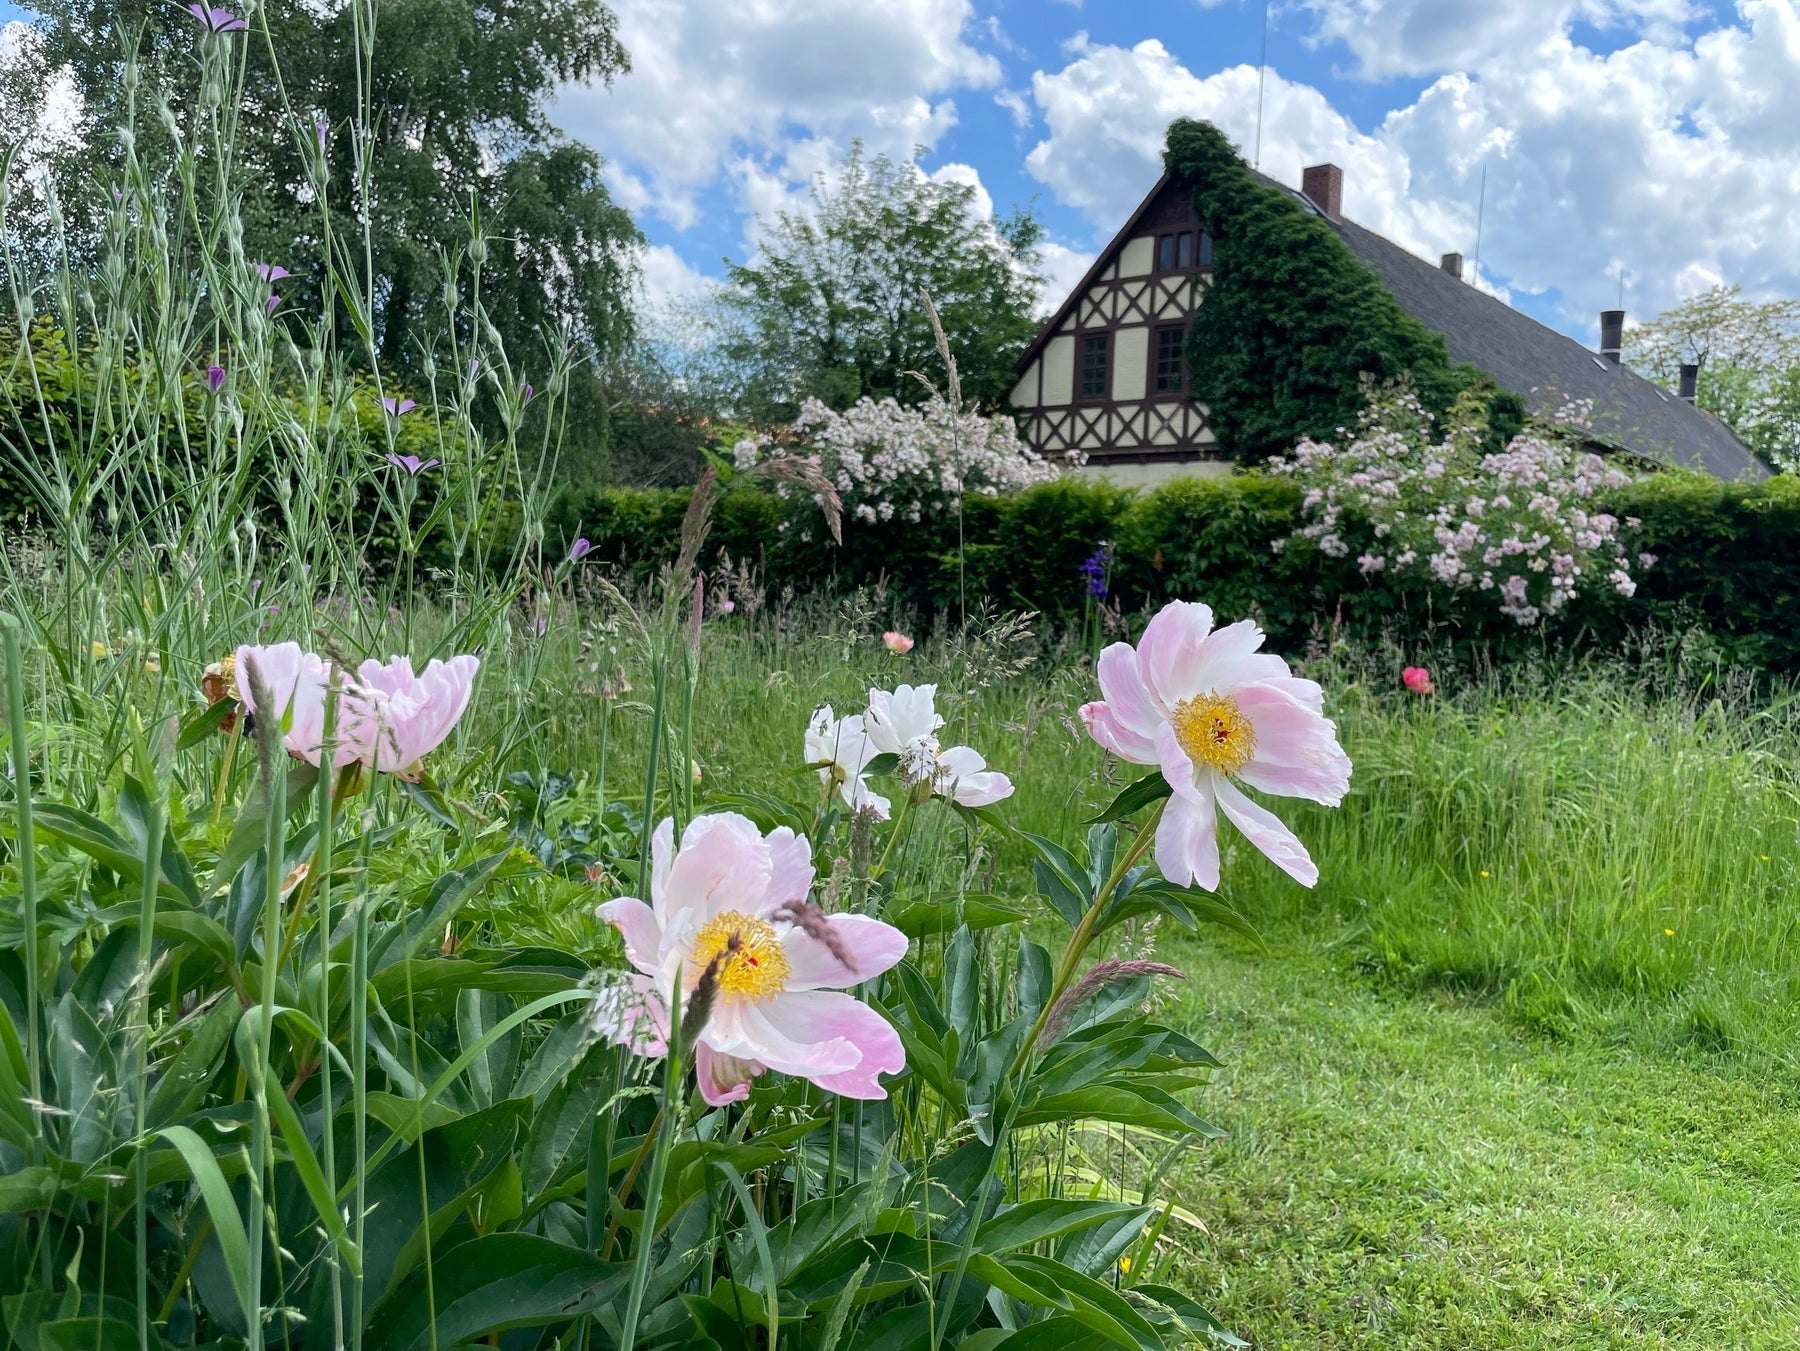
(895, 463)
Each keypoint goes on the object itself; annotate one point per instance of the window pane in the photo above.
(1205, 249)
(1168, 360)
(1184, 249)
(1165, 253)
(1093, 366)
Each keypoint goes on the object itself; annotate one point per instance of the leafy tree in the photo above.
(459, 95)
(1292, 325)
(830, 306)
(1749, 358)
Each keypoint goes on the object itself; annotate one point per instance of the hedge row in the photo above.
(1728, 561)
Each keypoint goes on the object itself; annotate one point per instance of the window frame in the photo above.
(1180, 391)
(1105, 335)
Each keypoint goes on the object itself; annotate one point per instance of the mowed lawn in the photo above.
(1414, 1171)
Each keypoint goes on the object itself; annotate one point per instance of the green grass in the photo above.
(1417, 1172)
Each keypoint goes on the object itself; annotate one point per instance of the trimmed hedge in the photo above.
(1728, 561)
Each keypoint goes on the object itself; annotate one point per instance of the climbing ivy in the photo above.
(1292, 325)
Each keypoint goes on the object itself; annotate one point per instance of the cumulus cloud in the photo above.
(1428, 37)
(1668, 157)
(716, 81)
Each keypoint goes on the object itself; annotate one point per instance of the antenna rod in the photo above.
(1480, 210)
(1262, 76)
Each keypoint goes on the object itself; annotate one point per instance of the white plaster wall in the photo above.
(1131, 355)
(1153, 475)
(1058, 363)
(1137, 256)
(1025, 393)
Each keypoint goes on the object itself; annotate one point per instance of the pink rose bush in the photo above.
(1216, 715)
(730, 907)
(388, 716)
(1519, 525)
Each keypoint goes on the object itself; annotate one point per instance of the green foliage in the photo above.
(463, 94)
(831, 309)
(1292, 324)
(1726, 561)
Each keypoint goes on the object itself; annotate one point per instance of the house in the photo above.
(1106, 374)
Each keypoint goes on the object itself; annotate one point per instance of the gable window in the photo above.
(1093, 366)
(1175, 252)
(1170, 374)
(1205, 249)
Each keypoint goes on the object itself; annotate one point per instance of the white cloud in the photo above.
(981, 205)
(1063, 269)
(1016, 105)
(716, 81)
(1429, 37)
(1669, 158)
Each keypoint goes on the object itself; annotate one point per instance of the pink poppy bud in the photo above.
(896, 642)
(1417, 679)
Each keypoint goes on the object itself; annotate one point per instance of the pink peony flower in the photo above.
(732, 894)
(1417, 679)
(407, 716)
(896, 642)
(1213, 712)
(387, 717)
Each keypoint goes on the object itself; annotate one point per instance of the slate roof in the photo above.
(1630, 413)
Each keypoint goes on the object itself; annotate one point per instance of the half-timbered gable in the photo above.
(1106, 375)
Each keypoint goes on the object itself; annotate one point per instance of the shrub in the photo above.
(1726, 561)
(1520, 524)
(903, 464)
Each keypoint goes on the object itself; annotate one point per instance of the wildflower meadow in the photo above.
(417, 931)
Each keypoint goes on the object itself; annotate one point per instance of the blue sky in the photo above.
(1653, 139)
(1649, 137)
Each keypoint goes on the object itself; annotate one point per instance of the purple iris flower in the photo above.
(271, 271)
(398, 408)
(579, 550)
(215, 378)
(216, 20)
(412, 464)
(1093, 571)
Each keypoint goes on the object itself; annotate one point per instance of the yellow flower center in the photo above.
(755, 967)
(1214, 732)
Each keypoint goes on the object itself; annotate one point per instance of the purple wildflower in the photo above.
(412, 464)
(580, 549)
(398, 408)
(322, 131)
(216, 20)
(1093, 571)
(273, 305)
(255, 586)
(525, 393)
(474, 365)
(215, 378)
(271, 271)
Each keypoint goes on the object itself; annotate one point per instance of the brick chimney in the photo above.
(1612, 334)
(1323, 185)
(1452, 263)
(1690, 381)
